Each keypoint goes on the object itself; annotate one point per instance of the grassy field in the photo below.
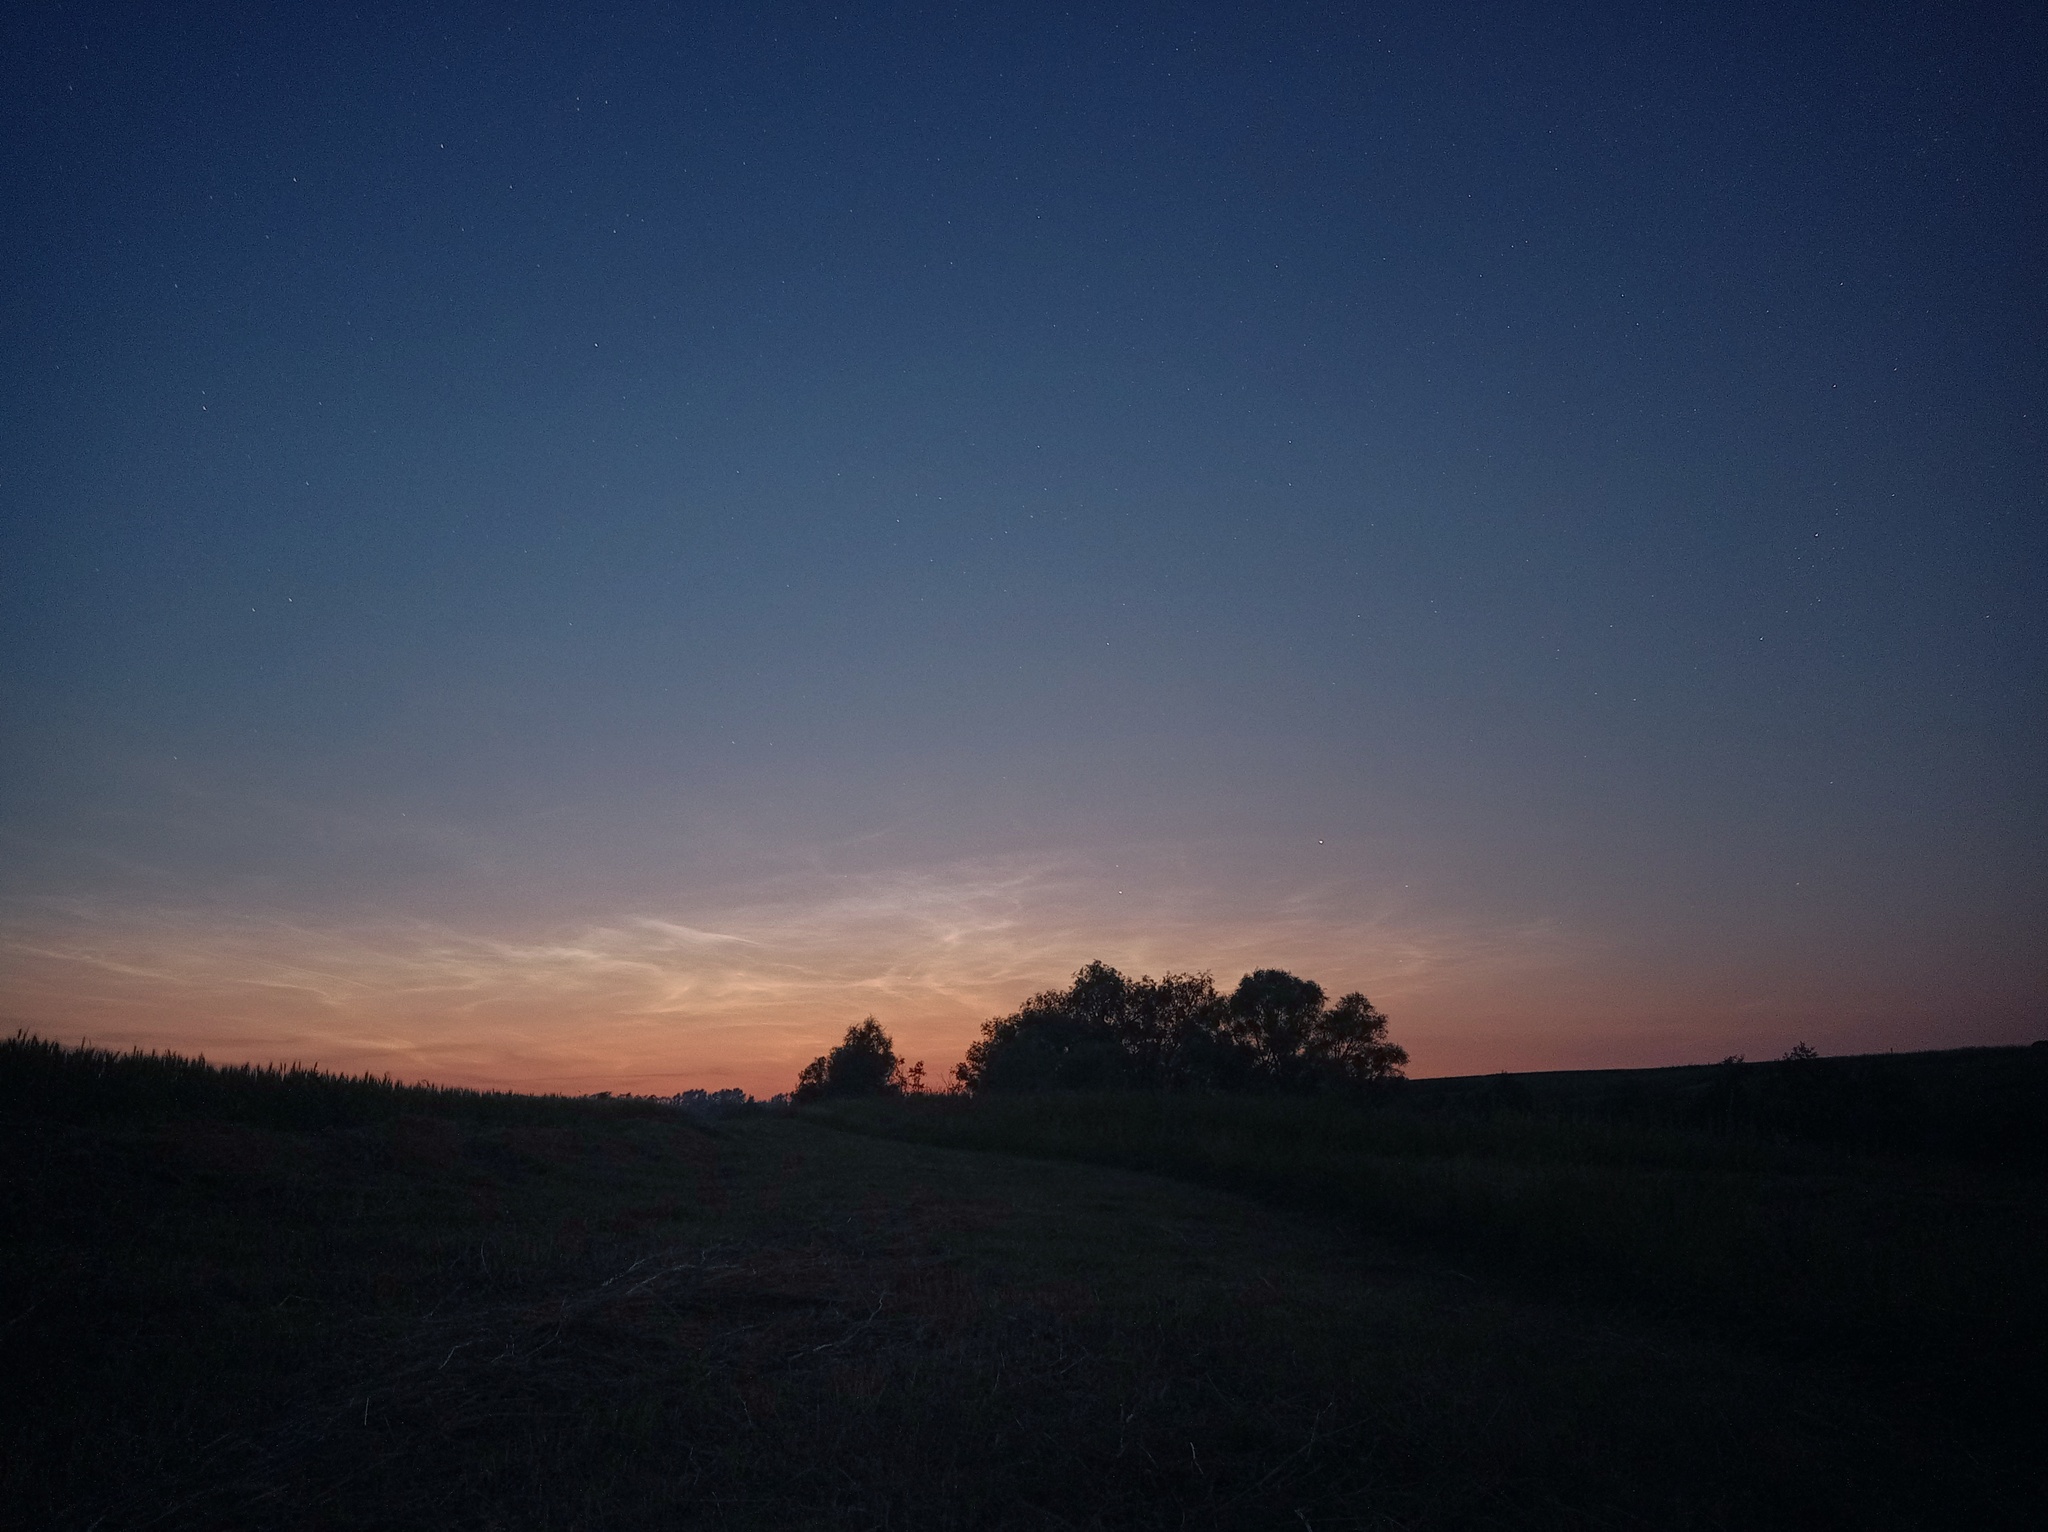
(1924, 1269)
(222, 1310)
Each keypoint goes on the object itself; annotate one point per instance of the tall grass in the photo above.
(47, 1079)
(1933, 1270)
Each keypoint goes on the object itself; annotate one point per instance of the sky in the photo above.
(590, 549)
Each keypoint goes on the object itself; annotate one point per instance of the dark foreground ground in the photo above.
(611, 1319)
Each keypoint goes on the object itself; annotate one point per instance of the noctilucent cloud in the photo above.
(591, 552)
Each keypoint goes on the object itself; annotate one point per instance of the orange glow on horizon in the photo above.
(652, 1004)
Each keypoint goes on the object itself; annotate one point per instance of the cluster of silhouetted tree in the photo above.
(1106, 1031)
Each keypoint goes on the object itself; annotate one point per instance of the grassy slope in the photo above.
(1985, 1105)
(1930, 1269)
(1917, 1282)
(603, 1319)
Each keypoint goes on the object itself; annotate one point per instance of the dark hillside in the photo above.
(606, 1316)
(1642, 1190)
(1983, 1104)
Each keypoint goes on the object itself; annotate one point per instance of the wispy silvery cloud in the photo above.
(740, 987)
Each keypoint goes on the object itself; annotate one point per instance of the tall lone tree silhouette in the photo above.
(865, 1064)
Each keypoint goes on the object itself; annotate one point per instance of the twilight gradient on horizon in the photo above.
(548, 548)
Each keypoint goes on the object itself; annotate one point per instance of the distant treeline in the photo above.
(1107, 1031)
(46, 1079)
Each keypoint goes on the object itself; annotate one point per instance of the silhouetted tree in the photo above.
(865, 1064)
(1107, 1031)
(1274, 1014)
(1056, 1039)
(1175, 1030)
(1104, 1031)
(1348, 1044)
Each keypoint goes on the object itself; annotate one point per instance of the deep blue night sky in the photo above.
(551, 549)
